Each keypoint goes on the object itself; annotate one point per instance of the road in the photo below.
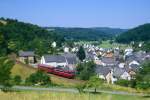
(74, 90)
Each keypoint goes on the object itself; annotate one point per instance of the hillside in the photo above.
(25, 71)
(86, 33)
(15, 36)
(140, 33)
(113, 31)
(22, 70)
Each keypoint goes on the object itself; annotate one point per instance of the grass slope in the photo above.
(25, 71)
(30, 95)
(64, 81)
(22, 70)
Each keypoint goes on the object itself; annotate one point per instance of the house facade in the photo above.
(65, 60)
(53, 60)
(27, 57)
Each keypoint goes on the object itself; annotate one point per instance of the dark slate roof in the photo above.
(117, 72)
(130, 58)
(89, 55)
(102, 70)
(108, 60)
(54, 58)
(71, 58)
(135, 67)
(26, 53)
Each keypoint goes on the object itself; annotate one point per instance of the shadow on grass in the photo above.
(147, 96)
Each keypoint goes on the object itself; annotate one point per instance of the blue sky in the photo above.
(78, 13)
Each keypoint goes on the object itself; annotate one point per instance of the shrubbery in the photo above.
(122, 82)
(39, 78)
(17, 80)
(85, 70)
(142, 80)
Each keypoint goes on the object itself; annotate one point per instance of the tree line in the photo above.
(15, 36)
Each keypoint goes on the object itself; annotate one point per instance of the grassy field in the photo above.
(22, 70)
(30, 95)
(106, 44)
(65, 82)
(25, 71)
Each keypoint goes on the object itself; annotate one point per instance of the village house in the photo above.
(108, 61)
(121, 73)
(53, 60)
(105, 73)
(27, 57)
(71, 59)
(65, 60)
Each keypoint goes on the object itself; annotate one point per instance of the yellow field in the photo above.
(64, 96)
(22, 70)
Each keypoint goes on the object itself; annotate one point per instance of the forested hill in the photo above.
(140, 33)
(113, 31)
(15, 36)
(86, 33)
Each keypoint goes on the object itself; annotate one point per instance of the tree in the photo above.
(1, 38)
(81, 87)
(94, 82)
(15, 36)
(3, 48)
(5, 71)
(17, 80)
(86, 70)
(146, 46)
(81, 53)
(140, 33)
(39, 77)
(143, 76)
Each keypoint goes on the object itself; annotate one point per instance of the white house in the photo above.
(53, 60)
(66, 49)
(121, 65)
(134, 62)
(54, 44)
(66, 59)
(125, 76)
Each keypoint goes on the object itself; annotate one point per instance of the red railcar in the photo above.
(56, 71)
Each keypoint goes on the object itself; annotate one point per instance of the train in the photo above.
(57, 71)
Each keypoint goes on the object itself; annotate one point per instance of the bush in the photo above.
(143, 76)
(38, 78)
(122, 82)
(143, 85)
(5, 72)
(132, 83)
(17, 80)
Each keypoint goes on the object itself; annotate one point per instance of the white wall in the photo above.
(54, 64)
(125, 76)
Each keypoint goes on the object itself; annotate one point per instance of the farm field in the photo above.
(106, 44)
(32, 95)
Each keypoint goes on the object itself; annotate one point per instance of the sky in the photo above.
(78, 13)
